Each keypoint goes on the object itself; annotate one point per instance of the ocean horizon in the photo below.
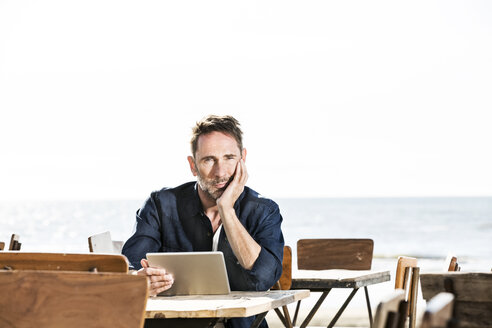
(423, 227)
(428, 228)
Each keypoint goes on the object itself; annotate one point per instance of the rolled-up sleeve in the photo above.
(267, 268)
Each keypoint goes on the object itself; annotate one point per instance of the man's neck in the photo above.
(208, 203)
(210, 208)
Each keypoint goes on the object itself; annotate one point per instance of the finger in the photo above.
(239, 172)
(162, 289)
(159, 278)
(144, 263)
(160, 284)
(158, 287)
(153, 271)
(244, 171)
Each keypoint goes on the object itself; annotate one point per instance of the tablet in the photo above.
(195, 273)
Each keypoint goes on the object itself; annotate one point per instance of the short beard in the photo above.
(206, 187)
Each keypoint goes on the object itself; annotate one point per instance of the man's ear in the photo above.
(243, 154)
(191, 161)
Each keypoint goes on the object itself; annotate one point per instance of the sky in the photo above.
(335, 98)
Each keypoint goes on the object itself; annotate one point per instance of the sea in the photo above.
(426, 228)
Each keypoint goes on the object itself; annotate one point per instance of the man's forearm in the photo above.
(243, 245)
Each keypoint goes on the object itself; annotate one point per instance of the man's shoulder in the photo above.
(253, 197)
(173, 192)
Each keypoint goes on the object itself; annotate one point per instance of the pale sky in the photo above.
(336, 98)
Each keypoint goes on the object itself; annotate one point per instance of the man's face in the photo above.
(215, 162)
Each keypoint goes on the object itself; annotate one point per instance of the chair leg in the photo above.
(413, 296)
(402, 314)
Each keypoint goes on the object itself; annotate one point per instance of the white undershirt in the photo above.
(215, 242)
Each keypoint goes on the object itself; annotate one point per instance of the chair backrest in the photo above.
(388, 309)
(285, 280)
(451, 263)
(439, 311)
(324, 254)
(102, 243)
(15, 245)
(472, 292)
(71, 299)
(2, 245)
(407, 278)
(63, 262)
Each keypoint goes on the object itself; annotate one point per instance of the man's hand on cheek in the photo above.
(235, 187)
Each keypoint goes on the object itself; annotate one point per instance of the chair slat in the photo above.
(63, 262)
(325, 254)
(55, 299)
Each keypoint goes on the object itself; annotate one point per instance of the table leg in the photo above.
(280, 316)
(339, 313)
(287, 317)
(297, 311)
(315, 308)
(368, 302)
(258, 320)
(284, 318)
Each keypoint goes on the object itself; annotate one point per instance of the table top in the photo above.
(325, 279)
(235, 304)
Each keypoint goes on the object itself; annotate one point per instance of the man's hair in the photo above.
(211, 123)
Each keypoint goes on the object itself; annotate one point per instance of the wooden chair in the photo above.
(326, 254)
(55, 299)
(2, 245)
(407, 278)
(472, 292)
(451, 263)
(102, 243)
(439, 312)
(388, 309)
(63, 262)
(15, 245)
(284, 283)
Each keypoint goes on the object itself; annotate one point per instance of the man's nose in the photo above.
(220, 169)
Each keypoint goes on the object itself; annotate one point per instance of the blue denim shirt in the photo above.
(172, 220)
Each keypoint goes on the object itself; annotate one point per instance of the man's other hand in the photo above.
(158, 279)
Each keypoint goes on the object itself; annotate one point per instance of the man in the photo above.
(218, 212)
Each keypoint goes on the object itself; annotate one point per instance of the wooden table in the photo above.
(206, 310)
(325, 280)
